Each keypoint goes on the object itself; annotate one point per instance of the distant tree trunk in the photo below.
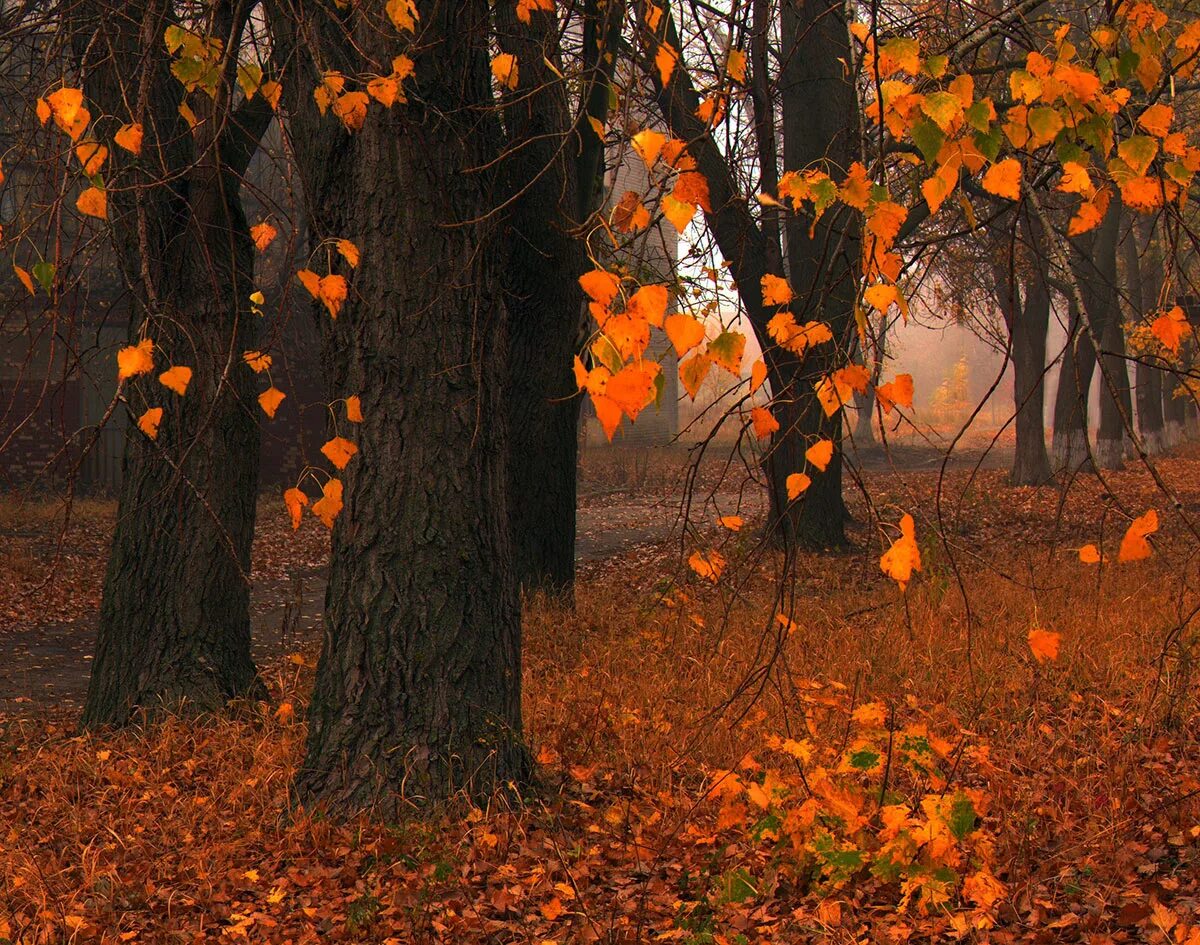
(1027, 320)
(174, 626)
(820, 124)
(1094, 265)
(418, 689)
(1147, 378)
(1111, 437)
(1174, 411)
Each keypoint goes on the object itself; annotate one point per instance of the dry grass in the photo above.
(654, 682)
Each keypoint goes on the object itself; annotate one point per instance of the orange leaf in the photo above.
(351, 109)
(677, 211)
(733, 522)
(339, 451)
(709, 566)
(93, 202)
(764, 422)
(776, 290)
(1157, 120)
(648, 144)
(262, 234)
(270, 399)
(26, 279)
(354, 409)
(758, 375)
(896, 392)
(600, 286)
(649, 302)
(1134, 546)
(257, 361)
(329, 505)
(384, 89)
(504, 68)
(1004, 179)
(136, 359)
(330, 290)
(176, 379)
(608, 412)
(684, 331)
(632, 388)
(1089, 554)
(903, 557)
(796, 484)
(129, 137)
(820, 454)
(349, 252)
(693, 371)
(295, 500)
(1171, 328)
(149, 421)
(664, 60)
(1044, 644)
(92, 156)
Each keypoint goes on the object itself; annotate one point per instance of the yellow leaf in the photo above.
(354, 409)
(403, 13)
(149, 421)
(684, 331)
(735, 65)
(135, 359)
(93, 202)
(796, 484)
(270, 399)
(1134, 546)
(1004, 179)
(66, 105)
(677, 211)
(883, 295)
(504, 68)
(339, 451)
(820, 454)
(648, 144)
(1075, 179)
(176, 379)
(329, 505)
(1157, 120)
(295, 500)
(903, 557)
(1089, 554)
(262, 234)
(1044, 644)
(693, 371)
(776, 291)
(764, 422)
(349, 252)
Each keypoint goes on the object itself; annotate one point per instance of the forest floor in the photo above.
(795, 753)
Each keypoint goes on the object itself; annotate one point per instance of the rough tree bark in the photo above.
(418, 687)
(1027, 316)
(1147, 377)
(1111, 437)
(820, 112)
(551, 168)
(174, 627)
(1094, 264)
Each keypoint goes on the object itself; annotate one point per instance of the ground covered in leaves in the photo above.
(791, 754)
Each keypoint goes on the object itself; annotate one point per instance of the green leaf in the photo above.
(928, 138)
(962, 817)
(44, 273)
(989, 144)
(979, 116)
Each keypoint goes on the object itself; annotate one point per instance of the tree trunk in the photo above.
(1111, 437)
(545, 314)
(1027, 327)
(1174, 411)
(1147, 378)
(1094, 267)
(820, 124)
(418, 689)
(174, 627)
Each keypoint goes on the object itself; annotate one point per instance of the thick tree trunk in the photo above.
(545, 303)
(418, 689)
(820, 123)
(1027, 328)
(1069, 450)
(1111, 438)
(1147, 378)
(174, 627)
(1174, 411)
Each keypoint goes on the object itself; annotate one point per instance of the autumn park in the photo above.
(713, 472)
